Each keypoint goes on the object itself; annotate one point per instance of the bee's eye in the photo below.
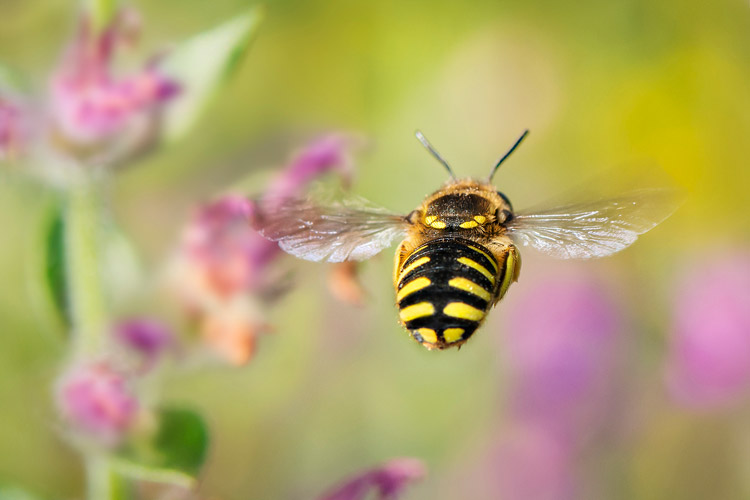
(505, 199)
(503, 216)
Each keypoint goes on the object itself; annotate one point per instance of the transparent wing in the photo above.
(595, 228)
(348, 229)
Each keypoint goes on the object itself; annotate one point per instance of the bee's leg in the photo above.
(402, 252)
(509, 259)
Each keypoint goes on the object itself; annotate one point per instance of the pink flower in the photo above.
(89, 103)
(562, 339)
(12, 129)
(226, 254)
(533, 463)
(224, 271)
(387, 481)
(709, 353)
(97, 402)
(329, 153)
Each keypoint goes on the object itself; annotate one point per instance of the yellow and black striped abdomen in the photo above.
(445, 288)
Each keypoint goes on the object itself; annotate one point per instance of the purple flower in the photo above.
(562, 339)
(388, 481)
(145, 337)
(89, 103)
(97, 402)
(709, 353)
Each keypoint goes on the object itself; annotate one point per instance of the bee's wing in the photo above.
(348, 229)
(595, 228)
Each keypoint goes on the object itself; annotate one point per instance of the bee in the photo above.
(459, 251)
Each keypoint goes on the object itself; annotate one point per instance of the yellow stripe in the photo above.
(416, 311)
(438, 224)
(463, 311)
(412, 286)
(471, 287)
(467, 261)
(428, 335)
(412, 266)
(469, 224)
(492, 261)
(452, 334)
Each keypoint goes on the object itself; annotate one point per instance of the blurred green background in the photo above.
(337, 389)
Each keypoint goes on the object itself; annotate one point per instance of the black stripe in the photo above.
(444, 254)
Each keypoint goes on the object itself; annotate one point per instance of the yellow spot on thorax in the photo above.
(420, 261)
(416, 311)
(469, 224)
(481, 219)
(411, 287)
(463, 311)
(428, 335)
(432, 221)
(471, 287)
(474, 265)
(453, 334)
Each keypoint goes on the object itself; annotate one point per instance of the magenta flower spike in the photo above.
(562, 340)
(89, 104)
(388, 481)
(226, 252)
(223, 270)
(97, 402)
(708, 364)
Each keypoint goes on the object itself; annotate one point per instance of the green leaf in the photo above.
(201, 64)
(53, 259)
(182, 440)
(13, 493)
(173, 455)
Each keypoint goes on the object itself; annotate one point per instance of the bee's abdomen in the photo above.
(444, 290)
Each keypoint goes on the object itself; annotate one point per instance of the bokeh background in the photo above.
(619, 378)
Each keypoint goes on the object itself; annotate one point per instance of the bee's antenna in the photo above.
(506, 155)
(437, 156)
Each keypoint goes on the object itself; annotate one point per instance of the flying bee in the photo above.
(459, 255)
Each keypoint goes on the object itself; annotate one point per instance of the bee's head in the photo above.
(465, 204)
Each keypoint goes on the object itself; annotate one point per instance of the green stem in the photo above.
(83, 225)
(103, 483)
(88, 308)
